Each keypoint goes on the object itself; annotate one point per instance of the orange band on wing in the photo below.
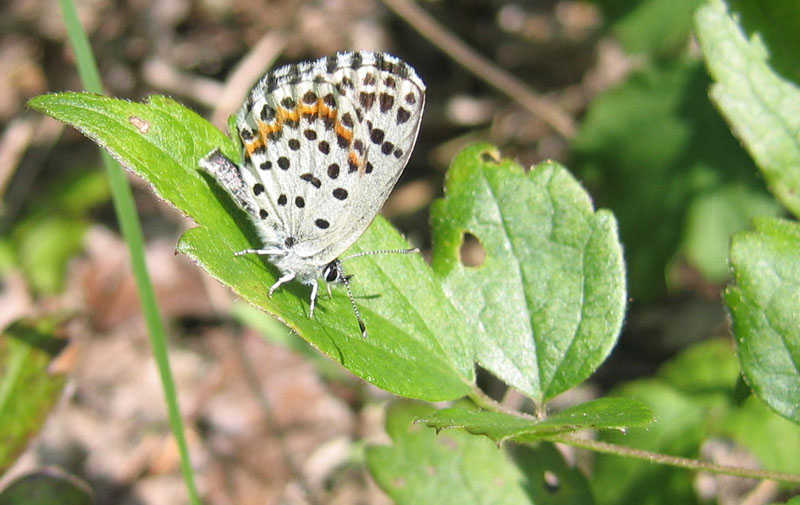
(342, 131)
(303, 110)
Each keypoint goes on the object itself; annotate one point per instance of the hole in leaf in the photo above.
(472, 253)
(491, 384)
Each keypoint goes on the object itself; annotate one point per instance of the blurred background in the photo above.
(271, 421)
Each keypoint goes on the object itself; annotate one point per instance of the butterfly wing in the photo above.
(324, 144)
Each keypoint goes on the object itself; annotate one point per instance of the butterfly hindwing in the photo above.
(388, 98)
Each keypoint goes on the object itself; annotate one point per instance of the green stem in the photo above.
(122, 197)
(486, 402)
(677, 461)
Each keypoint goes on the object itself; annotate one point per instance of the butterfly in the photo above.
(323, 144)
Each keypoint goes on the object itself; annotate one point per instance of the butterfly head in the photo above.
(333, 272)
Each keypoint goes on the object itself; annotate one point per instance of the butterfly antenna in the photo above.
(346, 281)
(384, 251)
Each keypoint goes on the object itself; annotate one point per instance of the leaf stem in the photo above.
(676, 461)
(486, 402)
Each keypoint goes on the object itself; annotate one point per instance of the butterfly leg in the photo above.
(283, 280)
(314, 290)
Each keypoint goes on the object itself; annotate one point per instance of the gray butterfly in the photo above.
(324, 143)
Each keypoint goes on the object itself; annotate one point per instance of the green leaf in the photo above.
(679, 430)
(7, 260)
(50, 230)
(45, 247)
(456, 468)
(27, 390)
(706, 368)
(661, 27)
(762, 107)
(647, 150)
(776, 21)
(547, 304)
(775, 441)
(605, 413)
(161, 141)
(550, 479)
(764, 306)
(694, 397)
(691, 395)
(714, 217)
(415, 347)
(46, 488)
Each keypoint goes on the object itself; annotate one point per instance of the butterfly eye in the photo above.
(331, 273)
